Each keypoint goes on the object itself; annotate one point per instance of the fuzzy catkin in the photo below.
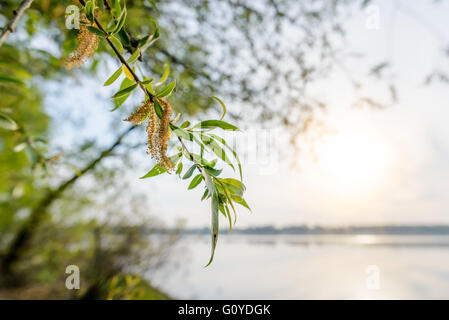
(87, 45)
(141, 113)
(164, 133)
(152, 131)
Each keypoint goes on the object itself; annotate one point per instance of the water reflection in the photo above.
(314, 267)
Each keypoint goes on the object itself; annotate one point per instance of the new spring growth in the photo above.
(87, 45)
(158, 130)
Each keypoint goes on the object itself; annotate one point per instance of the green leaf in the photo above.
(96, 31)
(223, 142)
(158, 169)
(146, 42)
(212, 124)
(234, 186)
(89, 9)
(158, 108)
(222, 105)
(133, 57)
(117, 44)
(179, 170)
(228, 197)
(182, 133)
(116, 6)
(124, 38)
(205, 194)
(119, 101)
(164, 75)
(229, 218)
(167, 90)
(101, 6)
(147, 81)
(157, 31)
(209, 183)
(214, 226)
(114, 77)
(213, 163)
(125, 91)
(195, 181)
(147, 84)
(213, 171)
(7, 123)
(7, 78)
(185, 124)
(153, 4)
(155, 171)
(219, 152)
(121, 22)
(189, 172)
(241, 201)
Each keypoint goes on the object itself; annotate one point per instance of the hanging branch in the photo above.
(12, 24)
(156, 110)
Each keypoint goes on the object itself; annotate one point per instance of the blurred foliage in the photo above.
(262, 55)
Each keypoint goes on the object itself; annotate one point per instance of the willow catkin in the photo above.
(152, 131)
(158, 130)
(87, 44)
(141, 113)
(164, 133)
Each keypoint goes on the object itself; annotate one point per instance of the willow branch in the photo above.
(150, 96)
(12, 24)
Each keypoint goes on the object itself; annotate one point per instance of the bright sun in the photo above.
(355, 158)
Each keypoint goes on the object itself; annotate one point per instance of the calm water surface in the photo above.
(312, 267)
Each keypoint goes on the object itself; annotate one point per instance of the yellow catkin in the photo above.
(158, 130)
(164, 133)
(87, 44)
(141, 113)
(152, 131)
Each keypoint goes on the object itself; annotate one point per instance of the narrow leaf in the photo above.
(164, 75)
(214, 226)
(195, 181)
(158, 108)
(119, 101)
(167, 90)
(179, 170)
(117, 44)
(96, 31)
(7, 78)
(121, 22)
(155, 171)
(127, 73)
(133, 57)
(189, 172)
(222, 105)
(241, 202)
(114, 77)
(125, 91)
(223, 142)
(212, 124)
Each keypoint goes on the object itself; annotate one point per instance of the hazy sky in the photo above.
(378, 166)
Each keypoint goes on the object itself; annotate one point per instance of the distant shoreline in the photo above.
(350, 230)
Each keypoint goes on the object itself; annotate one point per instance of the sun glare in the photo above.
(355, 158)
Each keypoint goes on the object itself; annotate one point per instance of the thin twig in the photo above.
(150, 96)
(12, 24)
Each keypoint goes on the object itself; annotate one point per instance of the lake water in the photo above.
(312, 267)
